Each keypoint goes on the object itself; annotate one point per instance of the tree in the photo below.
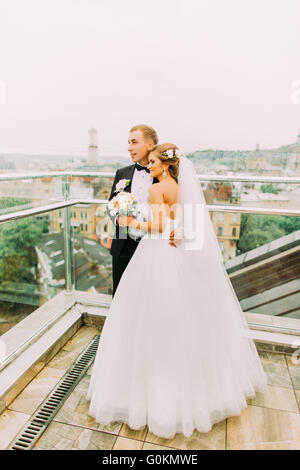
(18, 259)
(256, 229)
(269, 188)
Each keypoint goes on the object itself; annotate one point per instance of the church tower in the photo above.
(93, 147)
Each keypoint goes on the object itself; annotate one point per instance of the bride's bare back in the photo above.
(169, 192)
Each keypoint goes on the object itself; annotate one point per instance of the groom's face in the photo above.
(138, 147)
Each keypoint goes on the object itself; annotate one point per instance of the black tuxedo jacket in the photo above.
(119, 244)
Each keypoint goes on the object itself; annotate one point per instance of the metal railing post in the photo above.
(67, 237)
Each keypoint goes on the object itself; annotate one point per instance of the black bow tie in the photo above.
(140, 168)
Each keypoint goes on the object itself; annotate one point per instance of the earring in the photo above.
(164, 173)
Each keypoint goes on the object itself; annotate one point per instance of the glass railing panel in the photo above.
(32, 265)
(262, 259)
(92, 234)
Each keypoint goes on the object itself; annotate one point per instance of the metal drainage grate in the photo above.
(40, 420)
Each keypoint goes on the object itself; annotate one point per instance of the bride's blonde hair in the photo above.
(173, 162)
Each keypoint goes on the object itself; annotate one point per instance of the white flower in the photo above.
(114, 212)
(121, 185)
(123, 203)
(173, 154)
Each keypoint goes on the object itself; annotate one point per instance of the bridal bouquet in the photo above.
(125, 203)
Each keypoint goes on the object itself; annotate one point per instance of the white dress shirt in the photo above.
(140, 185)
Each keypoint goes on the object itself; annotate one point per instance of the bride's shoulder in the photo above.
(156, 190)
(163, 190)
(159, 187)
(165, 184)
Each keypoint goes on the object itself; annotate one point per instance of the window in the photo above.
(81, 226)
(234, 232)
(220, 230)
(86, 229)
(220, 216)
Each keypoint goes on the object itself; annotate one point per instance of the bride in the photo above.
(175, 351)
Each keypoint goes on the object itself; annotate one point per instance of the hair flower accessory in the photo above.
(173, 154)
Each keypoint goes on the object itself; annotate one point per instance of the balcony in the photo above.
(63, 306)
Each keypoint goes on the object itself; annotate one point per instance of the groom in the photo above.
(141, 140)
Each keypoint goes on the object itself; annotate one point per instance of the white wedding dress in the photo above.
(175, 351)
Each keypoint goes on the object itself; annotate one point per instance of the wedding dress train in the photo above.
(175, 351)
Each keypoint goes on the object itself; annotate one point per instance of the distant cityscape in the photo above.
(282, 161)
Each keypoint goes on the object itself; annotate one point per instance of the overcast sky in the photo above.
(204, 73)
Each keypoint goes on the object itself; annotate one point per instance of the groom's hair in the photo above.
(148, 132)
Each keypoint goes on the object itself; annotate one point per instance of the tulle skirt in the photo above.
(175, 351)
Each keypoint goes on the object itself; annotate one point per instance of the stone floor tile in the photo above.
(75, 410)
(123, 443)
(294, 369)
(263, 428)
(21, 384)
(297, 393)
(280, 398)
(149, 446)
(81, 339)
(65, 437)
(63, 359)
(37, 390)
(276, 369)
(11, 423)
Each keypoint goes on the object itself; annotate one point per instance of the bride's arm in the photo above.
(158, 224)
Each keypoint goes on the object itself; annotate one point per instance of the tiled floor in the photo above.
(271, 421)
